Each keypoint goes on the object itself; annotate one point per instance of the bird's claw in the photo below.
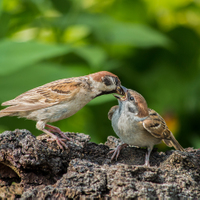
(116, 151)
(59, 141)
(54, 129)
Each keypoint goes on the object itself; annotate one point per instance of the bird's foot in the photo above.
(59, 141)
(54, 129)
(116, 151)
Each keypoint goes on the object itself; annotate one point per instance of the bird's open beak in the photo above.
(121, 93)
(121, 90)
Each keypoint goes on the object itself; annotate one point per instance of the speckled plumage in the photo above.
(138, 125)
(60, 99)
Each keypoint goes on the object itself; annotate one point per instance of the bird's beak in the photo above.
(121, 93)
(121, 90)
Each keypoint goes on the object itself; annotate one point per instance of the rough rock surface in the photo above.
(32, 168)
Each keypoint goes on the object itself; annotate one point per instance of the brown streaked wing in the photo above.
(44, 96)
(156, 125)
(25, 107)
(168, 143)
(61, 92)
(111, 111)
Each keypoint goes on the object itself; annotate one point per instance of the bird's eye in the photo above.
(132, 98)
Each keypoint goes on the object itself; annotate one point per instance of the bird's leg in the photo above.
(40, 125)
(55, 129)
(149, 149)
(59, 141)
(117, 150)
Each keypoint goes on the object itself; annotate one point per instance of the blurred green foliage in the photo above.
(153, 46)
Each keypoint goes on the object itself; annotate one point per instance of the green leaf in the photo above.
(135, 34)
(110, 31)
(17, 55)
(94, 55)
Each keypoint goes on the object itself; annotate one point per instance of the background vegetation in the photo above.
(153, 46)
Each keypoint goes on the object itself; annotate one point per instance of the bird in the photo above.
(60, 99)
(138, 125)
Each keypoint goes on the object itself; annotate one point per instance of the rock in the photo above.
(32, 168)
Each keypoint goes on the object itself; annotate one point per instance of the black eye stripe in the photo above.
(107, 81)
(131, 110)
(110, 80)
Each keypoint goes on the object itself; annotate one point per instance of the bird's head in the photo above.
(106, 83)
(133, 102)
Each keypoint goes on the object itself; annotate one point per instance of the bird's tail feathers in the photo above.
(173, 143)
(3, 114)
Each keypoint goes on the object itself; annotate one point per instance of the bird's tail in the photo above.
(173, 143)
(3, 114)
(9, 111)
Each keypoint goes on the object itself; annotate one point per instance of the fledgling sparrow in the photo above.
(60, 99)
(138, 125)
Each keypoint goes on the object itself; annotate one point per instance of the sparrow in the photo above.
(60, 99)
(138, 125)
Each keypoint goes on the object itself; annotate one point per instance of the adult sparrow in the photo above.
(60, 99)
(138, 125)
